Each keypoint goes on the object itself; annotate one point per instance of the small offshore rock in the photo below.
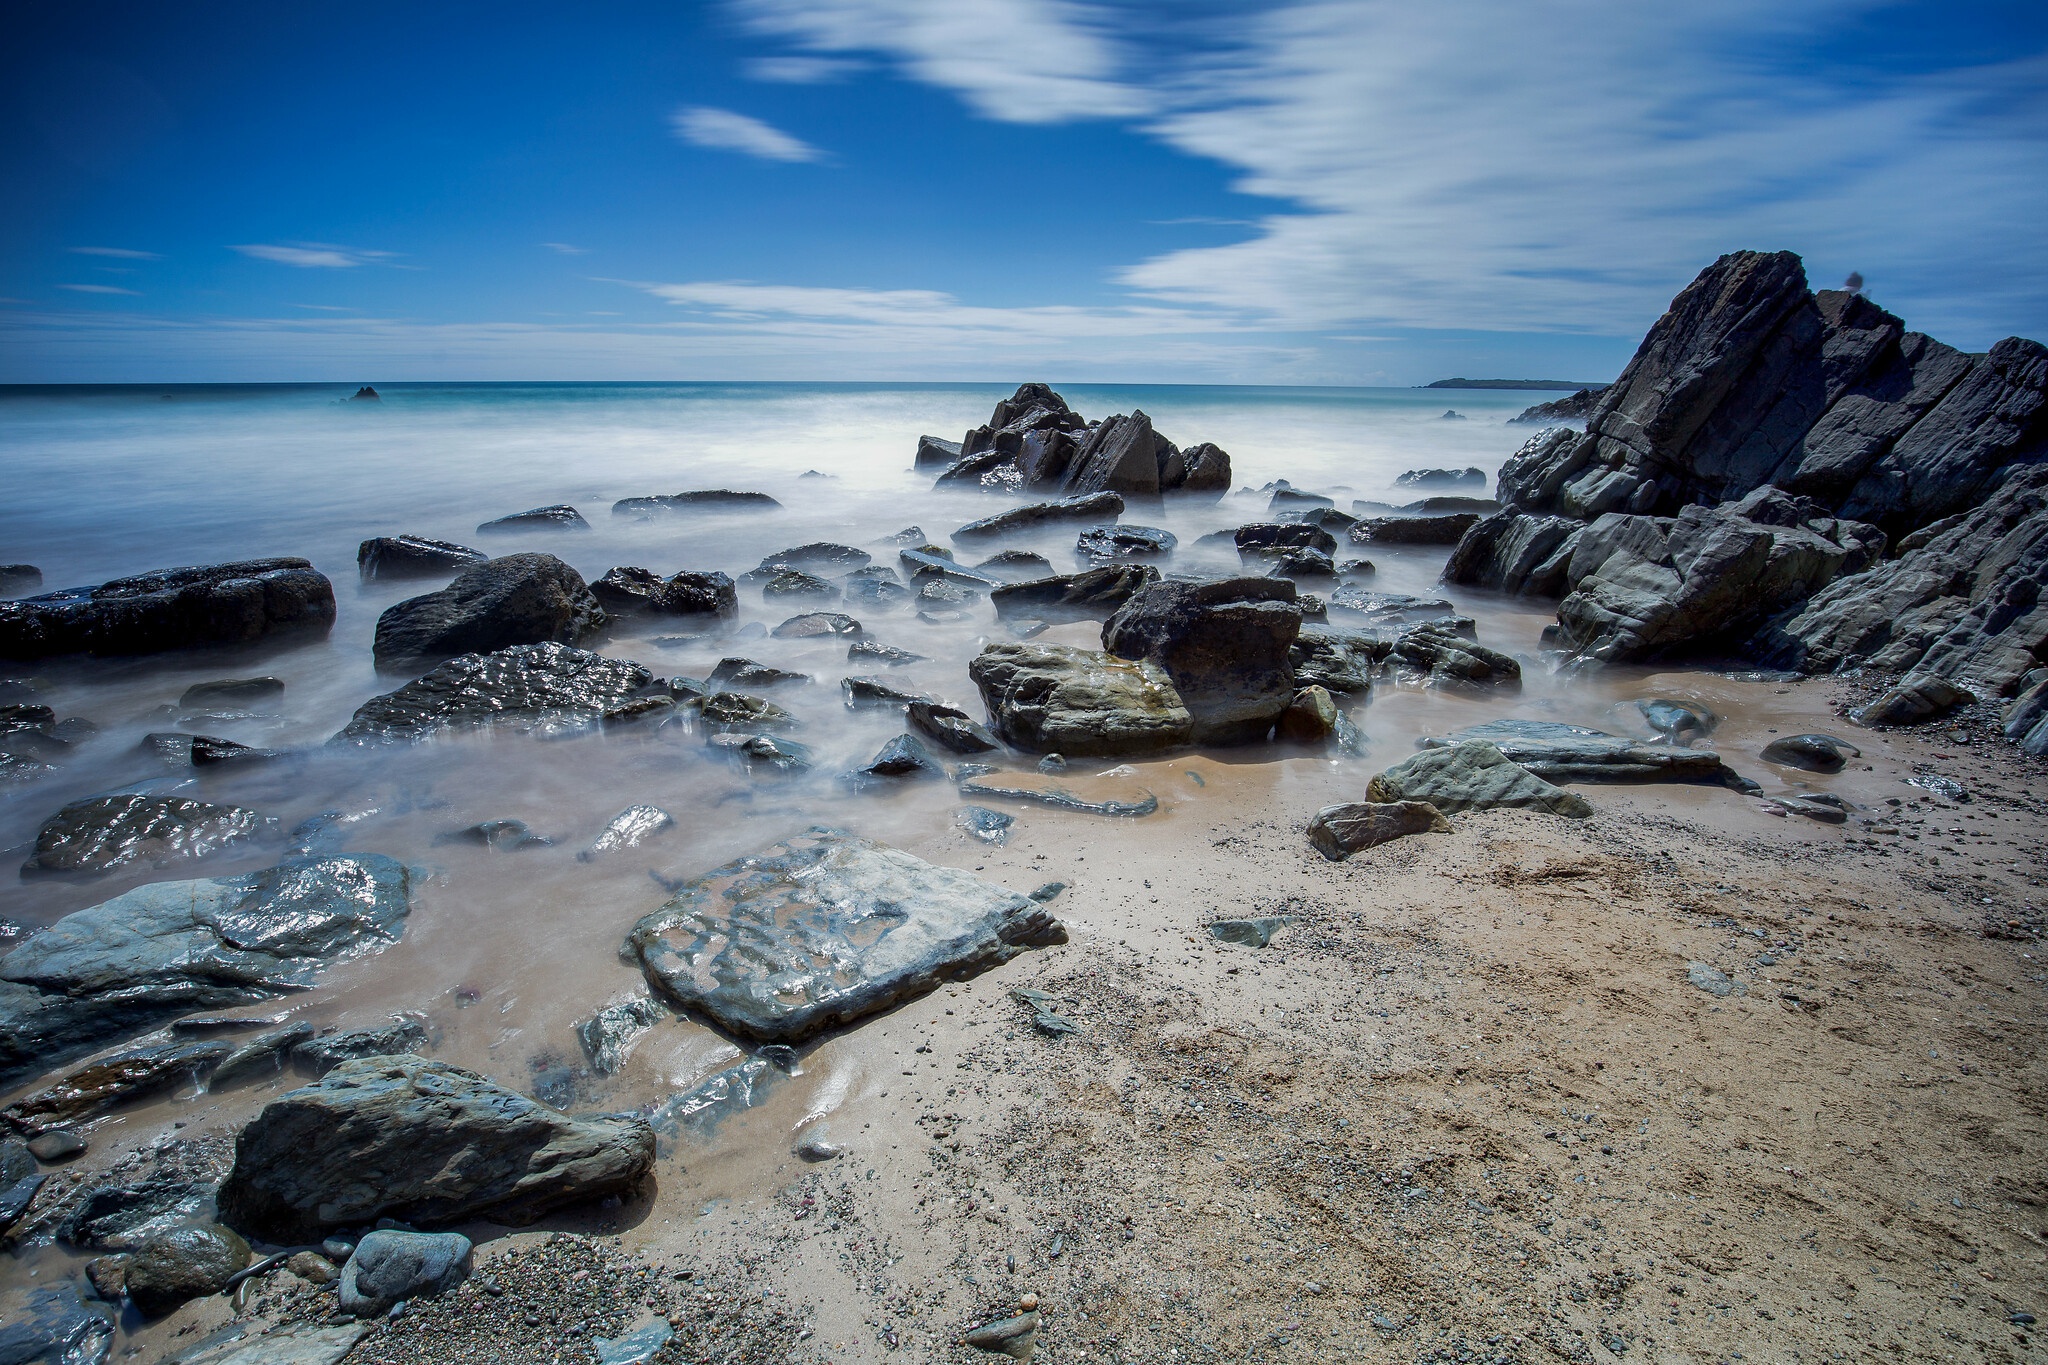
(863, 650)
(413, 557)
(817, 624)
(233, 694)
(560, 517)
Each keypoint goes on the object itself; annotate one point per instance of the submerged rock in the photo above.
(825, 929)
(819, 554)
(390, 1266)
(217, 604)
(171, 948)
(423, 1142)
(1573, 753)
(703, 500)
(413, 557)
(1073, 597)
(1223, 644)
(1116, 544)
(1056, 699)
(1471, 477)
(989, 826)
(234, 694)
(503, 836)
(735, 712)
(630, 828)
(863, 650)
(1472, 775)
(103, 834)
(608, 1036)
(1814, 753)
(522, 599)
(1342, 830)
(950, 727)
(1089, 507)
(515, 688)
(1678, 722)
(1019, 787)
(52, 1325)
(560, 517)
(872, 694)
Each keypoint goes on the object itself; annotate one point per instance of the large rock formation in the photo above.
(523, 599)
(1056, 699)
(218, 604)
(1226, 646)
(1035, 443)
(1736, 488)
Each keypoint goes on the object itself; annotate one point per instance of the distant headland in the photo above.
(1513, 384)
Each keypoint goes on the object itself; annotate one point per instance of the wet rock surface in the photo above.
(825, 929)
(950, 728)
(1057, 699)
(103, 834)
(522, 599)
(560, 517)
(1425, 530)
(175, 1267)
(701, 500)
(1814, 753)
(1575, 753)
(413, 557)
(424, 1142)
(400, 1035)
(55, 1326)
(630, 828)
(1225, 645)
(1339, 831)
(1116, 544)
(1088, 507)
(217, 604)
(515, 688)
(1093, 594)
(1472, 775)
(113, 1082)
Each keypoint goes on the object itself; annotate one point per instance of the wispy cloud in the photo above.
(324, 307)
(725, 131)
(563, 248)
(313, 255)
(121, 253)
(802, 70)
(99, 289)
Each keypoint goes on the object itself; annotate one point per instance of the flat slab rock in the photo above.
(1573, 753)
(1080, 702)
(214, 604)
(1472, 775)
(105, 833)
(518, 687)
(422, 1142)
(825, 929)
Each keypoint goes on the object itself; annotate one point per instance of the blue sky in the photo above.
(1324, 191)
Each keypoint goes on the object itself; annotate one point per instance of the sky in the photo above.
(1345, 192)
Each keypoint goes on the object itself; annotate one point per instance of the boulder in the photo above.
(1295, 499)
(1282, 535)
(1088, 507)
(1120, 455)
(560, 517)
(795, 583)
(816, 625)
(413, 557)
(175, 1267)
(263, 695)
(1072, 597)
(1678, 722)
(1223, 644)
(1339, 831)
(876, 586)
(949, 727)
(863, 650)
(1813, 753)
(1015, 566)
(523, 599)
(903, 756)
(1310, 718)
(1916, 697)
(1472, 775)
(703, 500)
(170, 948)
(218, 604)
(1473, 477)
(1521, 553)
(935, 452)
(1427, 530)
(1445, 656)
(739, 672)
(819, 555)
(1115, 544)
(391, 1266)
(625, 588)
(872, 694)
(517, 689)
(1205, 472)
(736, 712)
(1573, 753)
(1056, 699)
(1337, 661)
(423, 1142)
(745, 943)
(102, 834)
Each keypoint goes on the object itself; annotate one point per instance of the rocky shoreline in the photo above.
(1237, 1126)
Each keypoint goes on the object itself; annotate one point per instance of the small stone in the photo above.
(58, 1144)
(312, 1267)
(1713, 981)
(1252, 933)
(1342, 830)
(818, 1149)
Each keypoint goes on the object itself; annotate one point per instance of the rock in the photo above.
(1678, 722)
(217, 604)
(423, 1142)
(17, 1162)
(817, 1149)
(264, 1055)
(819, 555)
(1089, 507)
(122, 1217)
(102, 834)
(1713, 981)
(404, 1033)
(173, 1268)
(733, 712)
(1473, 477)
(1339, 831)
(608, 1036)
(56, 1145)
(940, 594)
(1336, 661)
(1310, 718)
(1577, 408)
(950, 728)
(626, 589)
(1445, 656)
(1072, 597)
(743, 943)
(1052, 698)
(1297, 499)
(795, 583)
(16, 1197)
(903, 756)
(1573, 753)
(1438, 530)
(1814, 753)
(705, 500)
(1519, 553)
(1015, 566)
(1206, 472)
(19, 578)
(862, 650)
(637, 1347)
(815, 625)
(876, 586)
(234, 694)
(517, 689)
(300, 1343)
(1442, 506)
(762, 754)
(113, 1082)
(872, 694)
(54, 1326)
(390, 1266)
(108, 1276)
(519, 599)
(1472, 775)
(1120, 455)
(502, 836)
(934, 452)
(630, 828)
(1912, 699)
(1223, 644)
(1114, 544)
(1016, 1337)
(989, 826)
(560, 517)
(1059, 798)
(208, 751)
(1251, 933)
(170, 948)
(1822, 806)
(413, 557)
(1298, 562)
(1388, 609)
(1260, 537)
(2026, 719)
(931, 561)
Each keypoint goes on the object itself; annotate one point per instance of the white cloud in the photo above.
(563, 248)
(725, 131)
(323, 307)
(802, 70)
(121, 253)
(313, 255)
(98, 289)
(1021, 61)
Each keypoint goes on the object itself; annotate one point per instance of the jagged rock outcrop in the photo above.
(216, 604)
(1035, 443)
(1576, 408)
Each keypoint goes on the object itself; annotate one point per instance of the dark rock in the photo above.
(1310, 718)
(102, 834)
(1473, 775)
(175, 1267)
(696, 593)
(732, 712)
(1055, 699)
(234, 694)
(1336, 661)
(795, 583)
(19, 578)
(16, 1196)
(1205, 471)
(1576, 408)
(989, 826)
(630, 828)
(1223, 644)
(625, 588)
(1015, 566)
(366, 394)
(17, 1162)
(517, 688)
(1300, 561)
(112, 1082)
(56, 1145)
(608, 1036)
(1120, 455)
(1015, 1336)
(1427, 530)
(892, 925)
(1573, 753)
(758, 754)
(934, 452)
(1291, 499)
(413, 557)
(391, 1266)
(706, 500)
(1260, 537)
(108, 1276)
(54, 1326)
(816, 625)
(1444, 655)
(939, 594)
(1089, 507)
(170, 948)
(1445, 506)
(560, 517)
(738, 672)
(872, 694)
(208, 751)
(122, 1217)
(1113, 544)
(903, 756)
(1388, 609)
(522, 599)
(1073, 597)
(264, 1055)
(931, 561)
(819, 554)
(1340, 831)
(1061, 799)
(1515, 552)
(1814, 753)
(423, 1142)
(1442, 478)
(950, 728)
(218, 604)
(876, 587)
(1825, 807)
(1914, 698)
(1678, 722)
(504, 836)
